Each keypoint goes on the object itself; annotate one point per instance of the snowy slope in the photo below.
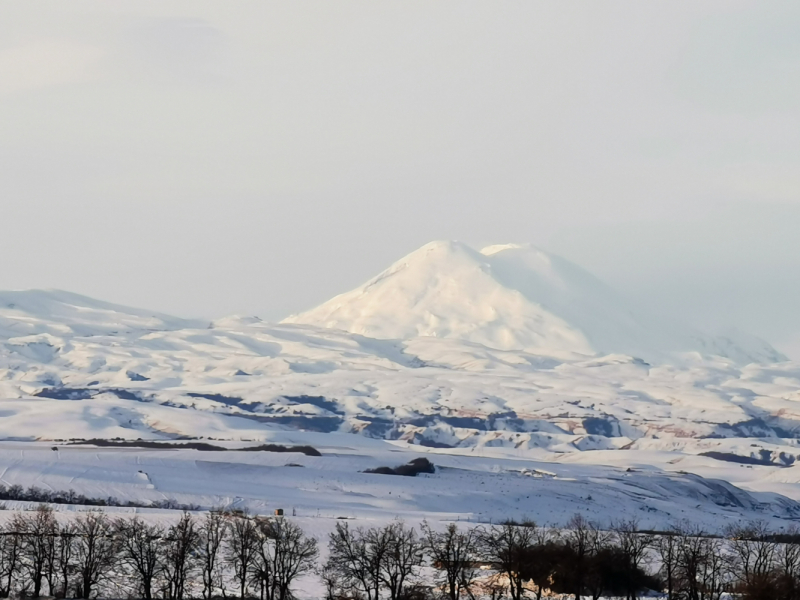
(447, 290)
(252, 376)
(55, 312)
(513, 297)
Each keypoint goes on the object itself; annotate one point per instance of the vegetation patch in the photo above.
(736, 458)
(307, 450)
(36, 494)
(411, 469)
(201, 446)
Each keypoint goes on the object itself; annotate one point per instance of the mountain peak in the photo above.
(495, 248)
(509, 297)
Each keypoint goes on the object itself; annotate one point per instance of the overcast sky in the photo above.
(209, 158)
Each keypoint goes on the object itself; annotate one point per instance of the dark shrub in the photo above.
(412, 469)
(307, 450)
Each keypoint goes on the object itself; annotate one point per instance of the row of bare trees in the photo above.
(510, 560)
(224, 554)
(747, 561)
(94, 555)
(582, 560)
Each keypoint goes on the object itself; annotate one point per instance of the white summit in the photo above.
(511, 297)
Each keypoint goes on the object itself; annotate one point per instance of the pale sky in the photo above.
(210, 158)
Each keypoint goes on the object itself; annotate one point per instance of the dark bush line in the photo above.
(736, 458)
(201, 446)
(307, 450)
(36, 494)
(412, 469)
(782, 538)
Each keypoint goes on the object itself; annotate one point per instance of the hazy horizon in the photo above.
(202, 161)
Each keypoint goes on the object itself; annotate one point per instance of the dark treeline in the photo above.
(37, 494)
(93, 555)
(581, 560)
(512, 560)
(201, 446)
(235, 555)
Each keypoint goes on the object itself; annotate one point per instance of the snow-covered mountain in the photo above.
(56, 312)
(514, 297)
(504, 352)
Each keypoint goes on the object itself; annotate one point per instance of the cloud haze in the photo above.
(202, 159)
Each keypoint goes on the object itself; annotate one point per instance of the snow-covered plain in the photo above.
(482, 486)
(532, 384)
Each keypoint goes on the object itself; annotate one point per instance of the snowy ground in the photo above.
(549, 426)
(481, 486)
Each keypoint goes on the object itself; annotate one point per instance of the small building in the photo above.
(278, 512)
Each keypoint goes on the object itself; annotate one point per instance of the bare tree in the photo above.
(37, 529)
(404, 557)
(212, 535)
(509, 547)
(753, 555)
(332, 582)
(544, 558)
(455, 554)
(716, 574)
(10, 551)
(787, 558)
(141, 547)
(65, 566)
(582, 539)
(702, 572)
(605, 572)
(667, 545)
(634, 547)
(241, 549)
(295, 555)
(284, 553)
(692, 554)
(180, 545)
(357, 557)
(95, 550)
